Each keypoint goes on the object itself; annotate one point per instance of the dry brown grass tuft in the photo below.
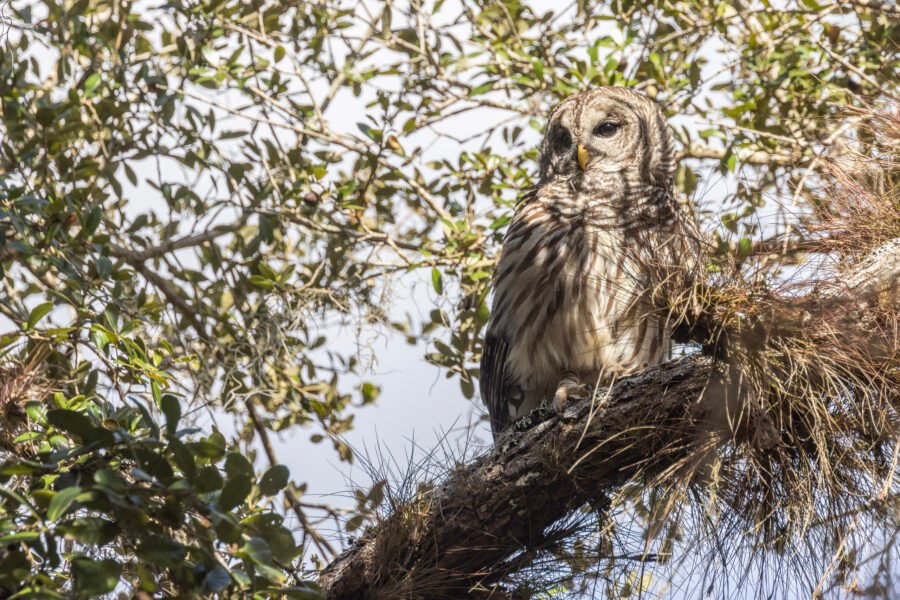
(807, 411)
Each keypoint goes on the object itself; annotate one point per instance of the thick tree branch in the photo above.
(167, 247)
(538, 474)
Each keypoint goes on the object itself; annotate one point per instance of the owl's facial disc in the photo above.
(581, 139)
(605, 131)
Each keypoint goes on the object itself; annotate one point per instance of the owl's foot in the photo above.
(569, 386)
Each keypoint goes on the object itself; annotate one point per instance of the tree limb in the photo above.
(878, 6)
(169, 246)
(445, 543)
(263, 432)
(745, 156)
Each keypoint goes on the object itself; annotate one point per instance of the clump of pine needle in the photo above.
(803, 453)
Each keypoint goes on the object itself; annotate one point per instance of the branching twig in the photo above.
(321, 543)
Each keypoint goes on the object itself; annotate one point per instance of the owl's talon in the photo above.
(559, 400)
(569, 387)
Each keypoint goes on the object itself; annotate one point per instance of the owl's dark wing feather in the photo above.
(495, 384)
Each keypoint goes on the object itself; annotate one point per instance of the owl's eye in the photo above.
(562, 140)
(607, 129)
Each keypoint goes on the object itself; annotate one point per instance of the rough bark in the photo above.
(449, 540)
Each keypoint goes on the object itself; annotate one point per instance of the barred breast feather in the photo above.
(569, 297)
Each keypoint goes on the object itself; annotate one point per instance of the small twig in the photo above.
(877, 5)
(171, 246)
(749, 157)
(321, 543)
(171, 292)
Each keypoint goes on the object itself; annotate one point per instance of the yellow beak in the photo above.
(584, 157)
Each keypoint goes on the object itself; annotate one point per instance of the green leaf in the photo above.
(21, 536)
(731, 162)
(354, 523)
(235, 492)
(110, 480)
(91, 83)
(261, 282)
(257, 550)
(482, 89)
(161, 551)
(132, 178)
(89, 530)
(370, 392)
(156, 393)
(216, 580)
(92, 221)
(155, 464)
(74, 423)
(237, 464)
(104, 267)
(710, 133)
(281, 543)
(274, 480)
(467, 386)
(437, 281)
(95, 577)
(209, 480)
(61, 502)
(212, 446)
(39, 312)
(22, 466)
(184, 459)
(172, 409)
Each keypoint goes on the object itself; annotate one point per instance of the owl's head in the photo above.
(608, 130)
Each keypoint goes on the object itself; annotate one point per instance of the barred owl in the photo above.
(574, 284)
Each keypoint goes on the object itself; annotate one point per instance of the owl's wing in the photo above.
(495, 384)
(498, 387)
